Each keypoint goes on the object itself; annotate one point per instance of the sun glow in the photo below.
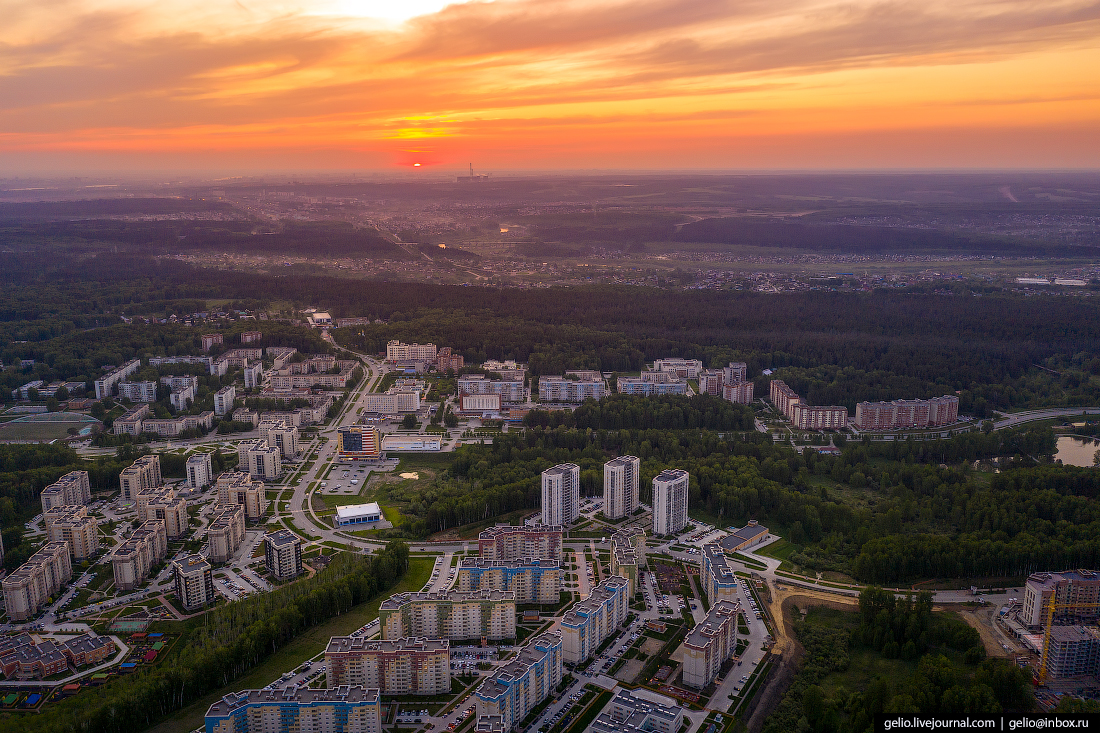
(394, 12)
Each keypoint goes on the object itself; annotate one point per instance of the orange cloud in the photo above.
(551, 83)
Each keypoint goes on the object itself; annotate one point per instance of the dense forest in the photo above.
(223, 646)
(941, 670)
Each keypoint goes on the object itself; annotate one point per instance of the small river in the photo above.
(1074, 451)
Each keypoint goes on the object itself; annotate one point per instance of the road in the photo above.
(1013, 419)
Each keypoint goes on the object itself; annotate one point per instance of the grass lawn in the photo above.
(780, 550)
(306, 646)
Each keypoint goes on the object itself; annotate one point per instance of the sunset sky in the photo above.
(544, 84)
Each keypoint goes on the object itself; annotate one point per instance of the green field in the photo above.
(305, 647)
(38, 431)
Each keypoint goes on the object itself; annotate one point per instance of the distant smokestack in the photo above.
(471, 170)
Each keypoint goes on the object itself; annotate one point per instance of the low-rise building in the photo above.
(359, 442)
(750, 535)
(533, 580)
(226, 532)
(639, 711)
(710, 644)
(194, 581)
(478, 404)
(23, 658)
(27, 589)
(283, 554)
(72, 525)
(345, 709)
(517, 688)
(489, 615)
(628, 556)
(132, 560)
(406, 666)
(679, 368)
(72, 489)
(369, 514)
(589, 622)
(504, 542)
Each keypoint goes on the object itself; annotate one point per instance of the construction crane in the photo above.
(1048, 622)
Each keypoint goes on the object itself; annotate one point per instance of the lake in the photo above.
(1073, 451)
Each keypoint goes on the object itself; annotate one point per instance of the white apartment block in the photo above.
(453, 615)
(516, 688)
(710, 644)
(397, 351)
(138, 391)
(72, 525)
(226, 532)
(645, 388)
(27, 589)
(739, 392)
(224, 400)
(679, 368)
(143, 473)
(620, 486)
(72, 489)
(280, 434)
(589, 622)
(511, 391)
(253, 375)
(560, 389)
(407, 666)
(561, 494)
(105, 385)
(479, 403)
(262, 461)
(134, 558)
(670, 501)
(160, 503)
(194, 581)
(392, 402)
(199, 470)
(237, 487)
(512, 543)
(532, 580)
(283, 554)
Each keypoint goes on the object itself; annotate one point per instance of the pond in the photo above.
(1076, 451)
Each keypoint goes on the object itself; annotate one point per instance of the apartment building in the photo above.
(194, 581)
(206, 361)
(815, 417)
(105, 385)
(511, 391)
(199, 470)
(407, 666)
(131, 422)
(679, 368)
(560, 389)
(533, 580)
(160, 503)
(512, 543)
(345, 709)
(644, 388)
(359, 442)
(710, 382)
(261, 460)
(143, 473)
(392, 402)
(243, 414)
(670, 501)
(516, 688)
(253, 375)
(782, 396)
(24, 658)
(183, 390)
(710, 644)
(737, 371)
(138, 391)
(71, 524)
(251, 337)
(453, 615)
(903, 414)
(27, 589)
(224, 399)
(1067, 587)
(133, 559)
(639, 711)
(561, 494)
(237, 487)
(1074, 651)
(479, 403)
(717, 576)
(397, 351)
(589, 622)
(283, 554)
(210, 340)
(738, 392)
(226, 532)
(446, 359)
(72, 489)
(620, 486)
(628, 556)
(508, 369)
(175, 426)
(280, 355)
(280, 434)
